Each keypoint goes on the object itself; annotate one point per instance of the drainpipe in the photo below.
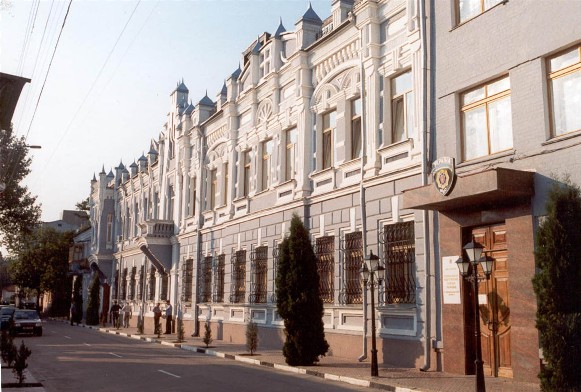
(363, 356)
(425, 160)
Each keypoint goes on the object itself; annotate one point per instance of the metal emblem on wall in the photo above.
(444, 174)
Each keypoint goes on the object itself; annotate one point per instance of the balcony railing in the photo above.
(157, 229)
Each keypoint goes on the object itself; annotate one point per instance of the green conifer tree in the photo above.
(558, 289)
(20, 364)
(78, 299)
(94, 301)
(298, 301)
(207, 339)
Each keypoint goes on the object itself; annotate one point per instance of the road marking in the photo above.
(87, 344)
(168, 373)
(67, 337)
(115, 355)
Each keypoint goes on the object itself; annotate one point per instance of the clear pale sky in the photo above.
(103, 102)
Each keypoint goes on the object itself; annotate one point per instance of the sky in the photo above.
(106, 94)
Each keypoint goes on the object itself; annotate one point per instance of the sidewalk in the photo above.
(334, 368)
(10, 383)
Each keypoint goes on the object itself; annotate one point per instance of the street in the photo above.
(79, 359)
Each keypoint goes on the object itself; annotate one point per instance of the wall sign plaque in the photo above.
(444, 174)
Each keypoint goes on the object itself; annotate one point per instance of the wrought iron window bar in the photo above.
(399, 253)
(219, 272)
(325, 251)
(275, 255)
(351, 248)
(238, 286)
(187, 273)
(205, 286)
(124, 284)
(151, 287)
(259, 269)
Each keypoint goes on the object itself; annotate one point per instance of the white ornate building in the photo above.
(324, 121)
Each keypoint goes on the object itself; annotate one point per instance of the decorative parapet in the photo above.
(157, 228)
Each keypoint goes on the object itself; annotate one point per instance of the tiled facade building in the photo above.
(506, 105)
(339, 121)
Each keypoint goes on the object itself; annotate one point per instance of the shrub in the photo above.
(94, 301)
(207, 334)
(251, 337)
(20, 363)
(297, 298)
(558, 259)
(180, 329)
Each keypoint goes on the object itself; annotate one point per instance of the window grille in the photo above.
(219, 272)
(259, 266)
(352, 248)
(164, 287)
(116, 286)
(237, 286)
(151, 292)
(325, 250)
(205, 286)
(399, 252)
(187, 276)
(123, 284)
(132, 283)
(275, 256)
(140, 283)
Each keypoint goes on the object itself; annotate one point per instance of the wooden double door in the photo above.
(493, 295)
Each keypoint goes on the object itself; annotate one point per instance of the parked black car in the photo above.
(26, 321)
(6, 317)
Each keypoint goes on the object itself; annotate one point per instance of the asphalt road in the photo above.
(79, 359)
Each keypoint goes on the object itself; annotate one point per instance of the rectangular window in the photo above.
(187, 280)
(352, 292)
(109, 228)
(468, 9)
(329, 124)
(246, 173)
(259, 258)
(325, 249)
(140, 282)
(565, 88)
(206, 279)
(219, 272)
(152, 282)
(226, 185)
(399, 253)
(213, 188)
(238, 277)
(486, 119)
(170, 201)
(290, 154)
(356, 128)
(123, 284)
(267, 148)
(164, 287)
(402, 107)
(132, 279)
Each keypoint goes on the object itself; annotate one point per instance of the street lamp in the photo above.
(474, 251)
(369, 273)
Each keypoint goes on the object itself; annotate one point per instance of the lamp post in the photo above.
(474, 251)
(369, 273)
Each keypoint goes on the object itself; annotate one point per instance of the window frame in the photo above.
(403, 97)
(328, 150)
(290, 171)
(483, 9)
(356, 128)
(266, 177)
(484, 102)
(213, 188)
(246, 173)
(554, 75)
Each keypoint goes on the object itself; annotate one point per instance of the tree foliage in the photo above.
(92, 317)
(83, 205)
(41, 264)
(558, 258)
(77, 298)
(298, 299)
(19, 213)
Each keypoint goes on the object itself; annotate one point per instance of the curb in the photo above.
(256, 362)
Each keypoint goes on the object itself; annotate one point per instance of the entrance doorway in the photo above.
(494, 303)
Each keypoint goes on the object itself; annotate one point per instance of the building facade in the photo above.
(505, 107)
(324, 121)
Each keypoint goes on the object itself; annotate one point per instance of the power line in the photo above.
(26, 99)
(93, 84)
(28, 38)
(48, 70)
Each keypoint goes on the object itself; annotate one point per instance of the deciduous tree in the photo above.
(19, 213)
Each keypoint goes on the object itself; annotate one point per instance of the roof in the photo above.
(279, 30)
(311, 15)
(181, 87)
(206, 101)
(10, 89)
